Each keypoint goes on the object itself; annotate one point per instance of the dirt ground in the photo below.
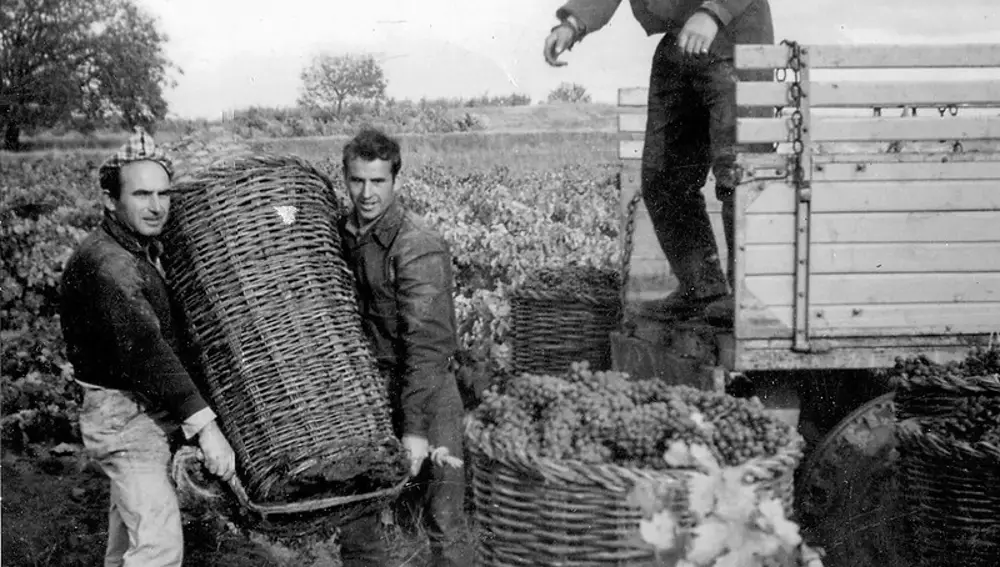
(55, 515)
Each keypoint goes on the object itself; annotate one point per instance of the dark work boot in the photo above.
(681, 303)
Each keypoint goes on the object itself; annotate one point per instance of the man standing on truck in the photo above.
(690, 129)
(403, 273)
(126, 340)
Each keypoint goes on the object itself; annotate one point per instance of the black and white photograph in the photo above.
(535, 283)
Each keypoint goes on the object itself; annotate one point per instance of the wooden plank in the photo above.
(867, 94)
(634, 123)
(851, 352)
(926, 171)
(633, 96)
(949, 227)
(899, 319)
(632, 150)
(883, 196)
(905, 257)
(871, 56)
(767, 130)
(866, 289)
(940, 156)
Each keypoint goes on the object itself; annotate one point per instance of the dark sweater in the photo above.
(121, 327)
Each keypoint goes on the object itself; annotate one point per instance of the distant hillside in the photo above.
(548, 117)
(536, 118)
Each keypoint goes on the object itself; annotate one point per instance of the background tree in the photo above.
(83, 64)
(569, 92)
(331, 80)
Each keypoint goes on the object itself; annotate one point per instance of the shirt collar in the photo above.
(382, 229)
(129, 240)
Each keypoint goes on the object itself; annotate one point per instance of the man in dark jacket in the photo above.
(403, 273)
(690, 129)
(125, 339)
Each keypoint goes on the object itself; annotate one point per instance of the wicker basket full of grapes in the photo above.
(597, 468)
(949, 444)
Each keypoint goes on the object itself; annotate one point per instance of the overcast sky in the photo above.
(237, 53)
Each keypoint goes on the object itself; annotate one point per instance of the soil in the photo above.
(54, 514)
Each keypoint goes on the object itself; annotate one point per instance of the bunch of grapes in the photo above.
(980, 361)
(992, 435)
(604, 417)
(970, 418)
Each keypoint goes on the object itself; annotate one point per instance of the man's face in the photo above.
(371, 186)
(144, 201)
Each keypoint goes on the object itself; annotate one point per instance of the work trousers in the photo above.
(132, 448)
(691, 130)
(435, 497)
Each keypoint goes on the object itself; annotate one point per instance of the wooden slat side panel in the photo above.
(633, 96)
(769, 130)
(632, 123)
(878, 196)
(866, 94)
(899, 319)
(871, 56)
(880, 289)
(632, 150)
(883, 258)
(927, 171)
(952, 227)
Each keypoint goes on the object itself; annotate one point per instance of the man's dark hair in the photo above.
(111, 181)
(370, 145)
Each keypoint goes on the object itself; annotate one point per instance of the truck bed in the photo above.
(891, 244)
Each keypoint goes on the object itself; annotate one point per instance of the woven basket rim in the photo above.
(984, 384)
(223, 167)
(911, 433)
(532, 294)
(762, 469)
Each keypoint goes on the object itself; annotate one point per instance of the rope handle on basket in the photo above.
(264, 510)
(308, 506)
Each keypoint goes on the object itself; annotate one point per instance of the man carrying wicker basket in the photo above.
(126, 340)
(403, 273)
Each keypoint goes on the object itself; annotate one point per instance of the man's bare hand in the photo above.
(556, 43)
(698, 34)
(419, 450)
(220, 459)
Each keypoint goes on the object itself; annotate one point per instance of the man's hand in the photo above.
(698, 34)
(557, 42)
(419, 449)
(220, 459)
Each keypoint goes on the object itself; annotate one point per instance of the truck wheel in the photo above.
(848, 500)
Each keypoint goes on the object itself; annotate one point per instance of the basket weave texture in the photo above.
(253, 254)
(561, 316)
(545, 512)
(951, 485)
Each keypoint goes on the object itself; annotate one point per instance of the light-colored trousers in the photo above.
(132, 448)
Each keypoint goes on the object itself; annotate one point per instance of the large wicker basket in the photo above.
(953, 497)
(554, 326)
(545, 512)
(253, 255)
(951, 485)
